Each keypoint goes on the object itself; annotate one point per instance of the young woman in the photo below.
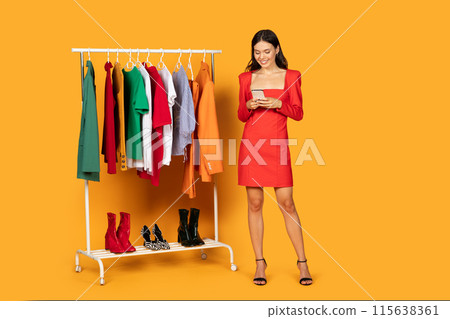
(264, 158)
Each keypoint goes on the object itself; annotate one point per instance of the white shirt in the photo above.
(147, 153)
(166, 77)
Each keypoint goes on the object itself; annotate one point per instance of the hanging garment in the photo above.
(109, 136)
(168, 129)
(160, 117)
(208, 130)
(188, 185)
(147, 123)
(264, 158)
(88, 144)
(183, 113)
(136, 104)
(119, 116)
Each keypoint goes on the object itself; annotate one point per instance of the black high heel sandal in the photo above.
(302, 280)
(148, 242)
(260, 278)
(162, 243)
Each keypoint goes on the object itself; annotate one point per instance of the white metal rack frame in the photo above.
(99, 255)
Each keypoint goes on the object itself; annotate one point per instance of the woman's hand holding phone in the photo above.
(269, 103)
(260, 100)
(252, 104)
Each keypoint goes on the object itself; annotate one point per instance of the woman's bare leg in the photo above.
(293, 226)
(255, 198)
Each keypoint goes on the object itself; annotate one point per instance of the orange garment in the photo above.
(188, 185)
(119, 116)
(208, 129)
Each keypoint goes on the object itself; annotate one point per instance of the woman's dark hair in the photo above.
(271, 37)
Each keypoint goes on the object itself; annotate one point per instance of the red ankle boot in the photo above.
(123, 232)
(111, 241)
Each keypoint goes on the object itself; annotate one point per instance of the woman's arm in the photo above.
(293, 109)
(243, 112)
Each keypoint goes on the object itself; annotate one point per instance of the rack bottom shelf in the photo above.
(100, 254)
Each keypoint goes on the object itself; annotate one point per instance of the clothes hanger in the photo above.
(89, 54)
(129, 61)
(190, 65)
(137, 60)
(117, 59)
(108, 56)
(148, 55)
(161, 61)
(178, 65)
(204, 54)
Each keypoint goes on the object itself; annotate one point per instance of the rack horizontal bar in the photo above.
(144, 50)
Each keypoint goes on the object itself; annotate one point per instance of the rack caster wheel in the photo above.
(204, 256)
(233, 267)
(78, 268)
(102, 281)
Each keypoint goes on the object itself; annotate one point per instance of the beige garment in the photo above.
(119, 115)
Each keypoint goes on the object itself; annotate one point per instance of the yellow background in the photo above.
(376, 105)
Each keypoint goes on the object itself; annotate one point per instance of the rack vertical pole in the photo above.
(86, 183)
(216, 214)
(86, 204)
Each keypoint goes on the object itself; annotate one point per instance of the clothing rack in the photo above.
(100, 254)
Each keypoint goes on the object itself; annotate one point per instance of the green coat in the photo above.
(88, 145)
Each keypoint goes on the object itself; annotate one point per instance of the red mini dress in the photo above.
(264, 157)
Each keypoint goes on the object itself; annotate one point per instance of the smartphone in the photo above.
(258, 94)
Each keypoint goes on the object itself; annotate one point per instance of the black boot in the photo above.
(193, 227)
(183, 232)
